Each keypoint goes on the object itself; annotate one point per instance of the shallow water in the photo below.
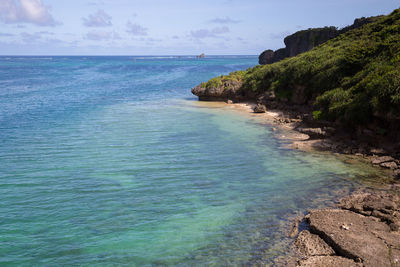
(110, 161)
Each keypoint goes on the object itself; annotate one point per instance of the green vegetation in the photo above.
(224, 80)
(351, 78)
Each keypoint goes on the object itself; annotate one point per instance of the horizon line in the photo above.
(83, 55)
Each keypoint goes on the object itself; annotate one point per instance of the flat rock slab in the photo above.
(354, 236)
(382, 160)
(328, 261)
(312, 245)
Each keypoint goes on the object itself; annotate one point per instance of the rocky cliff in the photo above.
(352, 80)
(303, 41)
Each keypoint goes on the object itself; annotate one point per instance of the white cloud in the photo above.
(226, 20)
(213, 33)
(26, 11)
(98, 19)
(102, 35)
(136, 29)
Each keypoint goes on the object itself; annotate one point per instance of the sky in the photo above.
(168, 27)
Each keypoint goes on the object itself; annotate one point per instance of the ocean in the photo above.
(112, 161)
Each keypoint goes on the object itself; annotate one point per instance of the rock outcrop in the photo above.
(362, 231)
(259, 108)
(228, 90)
(305, 40)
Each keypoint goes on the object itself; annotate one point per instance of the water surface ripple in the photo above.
(108, 161)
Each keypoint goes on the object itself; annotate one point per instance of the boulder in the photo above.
(266, 57)
(259, 108)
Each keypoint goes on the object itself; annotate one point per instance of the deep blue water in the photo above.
(111, 161)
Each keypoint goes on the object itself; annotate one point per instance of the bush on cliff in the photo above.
(351, 78)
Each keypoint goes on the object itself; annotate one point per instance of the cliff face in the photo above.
(303, 41)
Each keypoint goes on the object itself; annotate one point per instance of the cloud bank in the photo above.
(26, 11)
(213, 33)
(226, 20)
(136, 29)
(98, 19)
(102, 36)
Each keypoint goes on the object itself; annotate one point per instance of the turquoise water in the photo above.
(110, 161)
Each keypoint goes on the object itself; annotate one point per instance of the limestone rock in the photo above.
(266, 57)
(371, 201)
(228, 90)
(359, 241)
(382, 159)
(312, 245)
(328, 261)
(305, 40)
(389, 165)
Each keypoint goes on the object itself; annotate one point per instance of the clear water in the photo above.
(109, 161)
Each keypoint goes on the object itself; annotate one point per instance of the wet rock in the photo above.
(327, 261)
(312, 245)
(229, 101)
(295, 228)
(259, 108)
(382, 159)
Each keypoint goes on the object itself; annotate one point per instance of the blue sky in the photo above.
(173, 27)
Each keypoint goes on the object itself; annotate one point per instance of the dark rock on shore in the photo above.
(266, 57)
(363, 231)
(259, 108)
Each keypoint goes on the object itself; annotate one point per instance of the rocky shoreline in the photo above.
(364, 228)
(362, 231)
(310, 135)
